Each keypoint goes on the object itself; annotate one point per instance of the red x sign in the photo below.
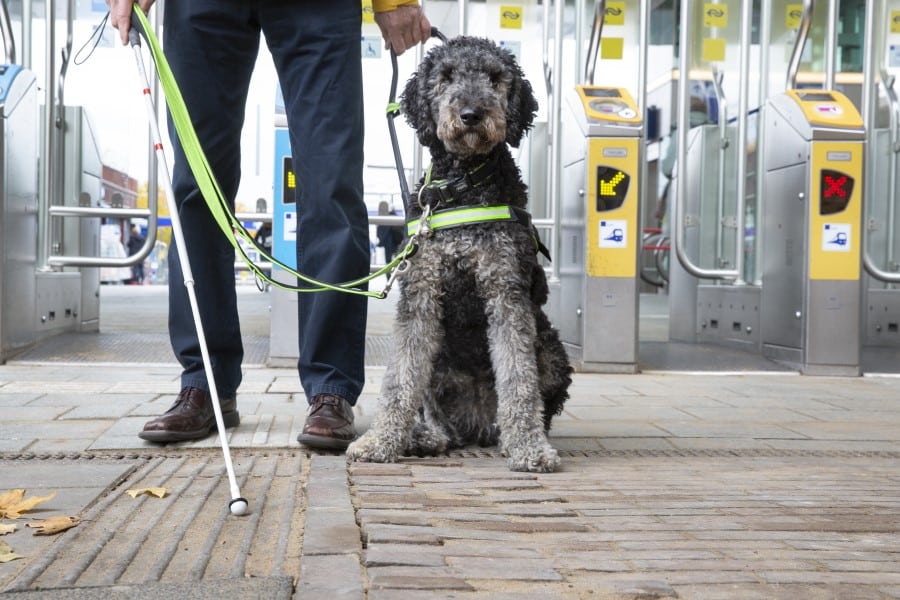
(835, 186)
(836, 190)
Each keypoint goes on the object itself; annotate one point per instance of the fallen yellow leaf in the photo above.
(4, 528)
(159, 492)
(11, 497)
(14, 503)
(54, 524)
(6, 553)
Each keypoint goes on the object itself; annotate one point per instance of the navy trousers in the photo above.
(212, 47)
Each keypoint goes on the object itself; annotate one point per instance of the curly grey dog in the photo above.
(476, 359)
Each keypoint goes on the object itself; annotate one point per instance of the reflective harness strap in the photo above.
(473, 215)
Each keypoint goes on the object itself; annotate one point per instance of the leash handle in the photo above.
(136, 30)
(392, 112)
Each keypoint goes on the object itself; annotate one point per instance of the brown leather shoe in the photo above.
(190, 418)
(329, 424)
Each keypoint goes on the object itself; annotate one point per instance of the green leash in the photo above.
(215, 199)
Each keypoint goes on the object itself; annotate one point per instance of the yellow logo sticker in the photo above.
(715, 15)
(368, 13)
(792, 15)
(511, 17)
(615, 13)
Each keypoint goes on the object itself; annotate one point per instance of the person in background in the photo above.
(135, 243)
(212, 47)
(389, 236)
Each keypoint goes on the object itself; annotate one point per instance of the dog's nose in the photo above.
(470, 117)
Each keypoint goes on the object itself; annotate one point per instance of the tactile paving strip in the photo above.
(189, 535)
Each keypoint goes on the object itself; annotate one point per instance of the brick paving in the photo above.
(697, 525)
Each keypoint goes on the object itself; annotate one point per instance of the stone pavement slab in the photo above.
(76, 491)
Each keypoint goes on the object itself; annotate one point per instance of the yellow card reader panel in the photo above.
(609, 104)
(835, 223)
(612, 201)
(827, 108)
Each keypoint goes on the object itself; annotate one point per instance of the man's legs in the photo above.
(211, 46)
(317, 54)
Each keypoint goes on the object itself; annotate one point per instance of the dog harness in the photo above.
(448, 189)
(473, 215)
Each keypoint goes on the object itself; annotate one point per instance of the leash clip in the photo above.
(424, 230)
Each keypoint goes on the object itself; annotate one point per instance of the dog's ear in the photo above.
(416, 104)
(522, 106)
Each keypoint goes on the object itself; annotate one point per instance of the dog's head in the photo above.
(469, 95)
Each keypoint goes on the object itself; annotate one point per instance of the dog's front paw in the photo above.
(543, 459)
(370, 448)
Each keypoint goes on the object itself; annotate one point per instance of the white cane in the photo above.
(238, 505)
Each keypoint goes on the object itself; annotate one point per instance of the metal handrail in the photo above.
(463, 16)
(717, 77)
(799, 43)
(55, 186)
(99, 211)
(555, 123)
(681, 192)
(545, 48)
(743, 115)
(594, 44)
(49, 141)
(9, 43)
(831, 45)
(26, 34)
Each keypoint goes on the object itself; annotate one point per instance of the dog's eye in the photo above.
(496, 80)
(447, 74)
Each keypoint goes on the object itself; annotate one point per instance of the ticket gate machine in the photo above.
(18, 208)
(283, 344)
(599, 231)
(810, 304)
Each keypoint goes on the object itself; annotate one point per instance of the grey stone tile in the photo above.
(30, 414)
(604, 429)
(16, 399)
(698, 429)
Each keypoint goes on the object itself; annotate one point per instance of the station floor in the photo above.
(741, 483)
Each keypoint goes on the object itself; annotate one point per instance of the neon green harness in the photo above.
(454, 217)
(473, 215)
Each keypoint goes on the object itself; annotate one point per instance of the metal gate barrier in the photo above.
(49, 274)
(18, 206)
(599, 230)
(810, 299)
(711, 296)
(812, 226)
(881, 116)
(602, 161)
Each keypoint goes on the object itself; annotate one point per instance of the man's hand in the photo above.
(403, 27)
(120, 15)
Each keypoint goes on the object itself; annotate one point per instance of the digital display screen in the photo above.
(836, 191)
(289, 193)
(815, 96)
(602, 93)
(612, 188)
